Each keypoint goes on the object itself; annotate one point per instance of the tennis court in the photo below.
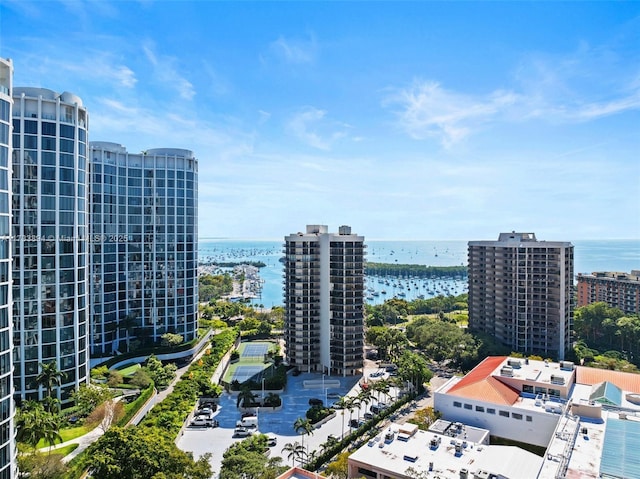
(255, 350)
(244, 373)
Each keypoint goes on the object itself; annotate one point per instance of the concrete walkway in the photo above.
(87, 439)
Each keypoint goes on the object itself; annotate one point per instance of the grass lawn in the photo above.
(129, 370)
(67, 435)
(63, 451)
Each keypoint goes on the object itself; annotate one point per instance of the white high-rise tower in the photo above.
(324, 300)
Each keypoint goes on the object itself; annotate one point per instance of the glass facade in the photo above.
(7, 408)
(144, 245)
(49, 228)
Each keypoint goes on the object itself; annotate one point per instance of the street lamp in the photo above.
(324, 390)
(261, 404)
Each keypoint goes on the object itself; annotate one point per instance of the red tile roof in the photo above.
(479, 384)
(590, 376)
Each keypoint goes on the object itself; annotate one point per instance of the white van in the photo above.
(249, 421)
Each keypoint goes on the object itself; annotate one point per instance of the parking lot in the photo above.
(295, 400)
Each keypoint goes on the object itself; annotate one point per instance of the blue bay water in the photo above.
(589, 256)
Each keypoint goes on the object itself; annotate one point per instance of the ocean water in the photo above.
(589, 256)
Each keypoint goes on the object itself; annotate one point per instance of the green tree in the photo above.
(42, 466)
(423, 418)
(338, 469)
(49, 377)
(342, 404)
(171, 340)
(35, 423)
(247, 460)
(364, 397)
(295, 452)
(160, 375)
(142, 453)
(115, 379)
(89, 396)
(413, 369)
(140, 379)
(245, 398)
(304, 427)
(381, 386)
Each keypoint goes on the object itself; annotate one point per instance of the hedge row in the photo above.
(351, 439)
(170, 414)
(167, 417)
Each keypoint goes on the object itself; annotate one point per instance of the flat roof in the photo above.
(458, 430)
(396, 456)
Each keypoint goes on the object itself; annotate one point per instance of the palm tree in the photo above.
(342, 405)
(49, 377)
(34, 423)
(295, 450)
(304, 427)
(245, 397)
(352, 403)
(381, 386)
(365, 398)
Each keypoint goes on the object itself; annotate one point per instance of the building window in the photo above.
(468, 406)
(457, 404)
(504, 413)
(554, 392)
(517, 416)
(527, 388)
(529, 419)
(479, 408)
(490, 410)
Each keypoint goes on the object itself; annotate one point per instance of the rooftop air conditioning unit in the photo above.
(506, 371)
(566, 365)
(514, 363)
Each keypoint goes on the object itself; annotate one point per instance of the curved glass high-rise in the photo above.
(49, 226)
(144, 246)
(7, 409)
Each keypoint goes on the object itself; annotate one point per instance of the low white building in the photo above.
(588, 419)
(515, 399)
(402, 448)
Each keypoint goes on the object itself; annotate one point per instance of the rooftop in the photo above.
(444, 456)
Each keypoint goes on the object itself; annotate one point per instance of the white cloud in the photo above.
(295, 51)
(428, 110)
(166, 71)
(125, 76)
(305, 125)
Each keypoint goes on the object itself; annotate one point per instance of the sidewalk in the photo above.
(86, 440)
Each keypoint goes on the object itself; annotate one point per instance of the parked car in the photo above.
(199, 421)
(368, 416)
(242, 432)
(249, 421)
(378, 408)
(354, 423)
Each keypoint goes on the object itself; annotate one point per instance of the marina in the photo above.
(590, 256)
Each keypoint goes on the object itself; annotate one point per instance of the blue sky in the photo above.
(405, 120)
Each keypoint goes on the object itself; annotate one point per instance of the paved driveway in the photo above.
(279, 423)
